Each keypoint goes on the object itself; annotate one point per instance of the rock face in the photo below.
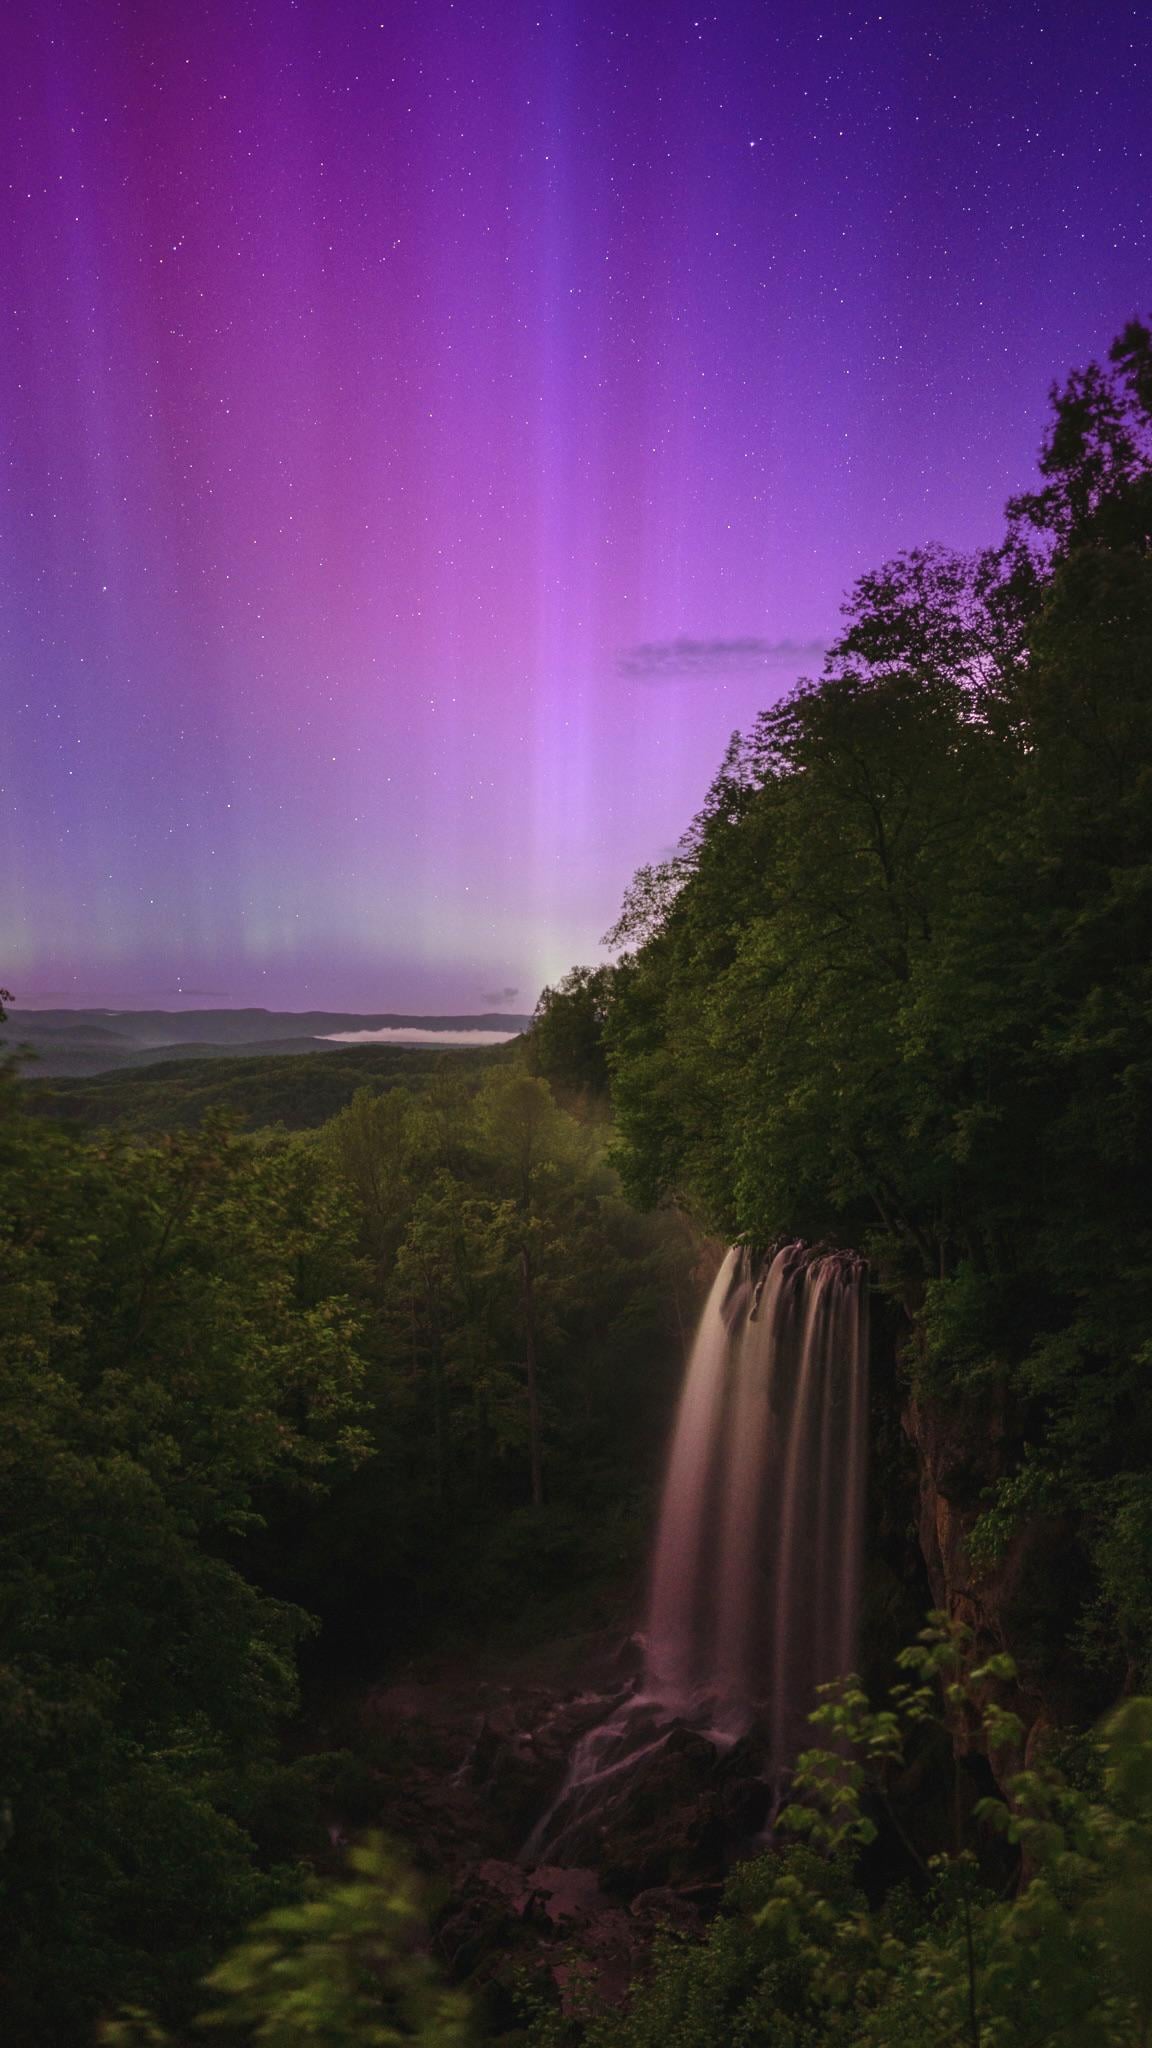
(651, 1853)
(958, 1456)
(1031, 1601)
(678, 1816)
(461, 1768)
(554, 1923)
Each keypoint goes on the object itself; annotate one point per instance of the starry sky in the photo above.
(388, 386)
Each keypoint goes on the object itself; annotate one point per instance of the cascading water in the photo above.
(755, 1584)
(756, 1573)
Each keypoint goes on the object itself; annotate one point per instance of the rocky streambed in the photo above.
(461, 1765)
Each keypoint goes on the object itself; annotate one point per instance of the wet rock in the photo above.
(477, 1768)
(478, 1922)
(520, 1781)
(745, 1804)
(567, 1896)
(660, 1819)
(1031, 1601)
(662, 1906)
(553, 1925)
(523, 1768)
(687, 1841)
(464, 1772)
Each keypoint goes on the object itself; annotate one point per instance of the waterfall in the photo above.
(756, 1572)
(755, 1580)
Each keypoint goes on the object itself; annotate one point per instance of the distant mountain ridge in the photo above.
(90, 1041)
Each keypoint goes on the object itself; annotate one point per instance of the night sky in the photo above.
(376, 379)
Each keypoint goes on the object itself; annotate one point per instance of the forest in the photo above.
(355, 1371)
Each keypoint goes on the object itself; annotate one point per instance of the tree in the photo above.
(798, 1955)
(566, 1042)
(181, 1347)
(1097, 454)
(450, 1189)
(374, 1145)
(529, 1140)
(343, 1967)
(894, 990)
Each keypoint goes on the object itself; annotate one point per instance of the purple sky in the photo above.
(374, 377)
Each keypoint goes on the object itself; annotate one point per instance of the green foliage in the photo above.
(1098, 453)
(340, 1968)
(944, 1690)
(778, 1966)
(566, 1042)
(518, 1306)
(895, 988)
(244, 1378)
(299, 1091)
(343, 1967)
(182, 1341)
(798, 1957)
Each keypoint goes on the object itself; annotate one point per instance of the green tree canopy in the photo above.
(895, 988)
(181, 1341)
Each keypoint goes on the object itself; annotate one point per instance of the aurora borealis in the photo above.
(376, 380)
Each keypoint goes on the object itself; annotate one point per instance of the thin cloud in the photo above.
(497, 997)
(657, 661)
